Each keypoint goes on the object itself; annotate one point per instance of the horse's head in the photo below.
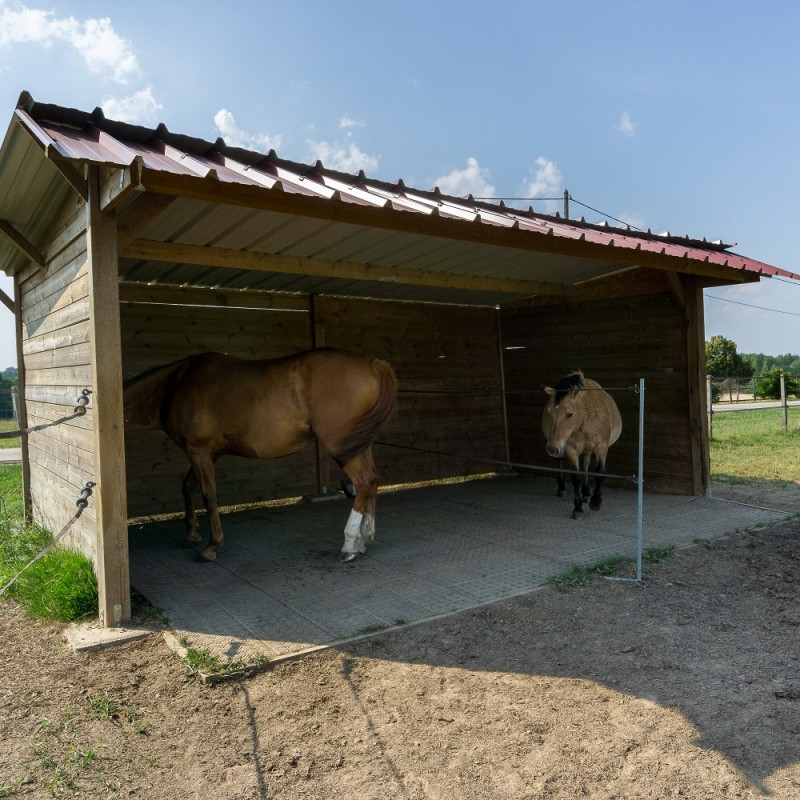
(563, 414)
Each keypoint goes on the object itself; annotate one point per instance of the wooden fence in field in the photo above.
(746, 397)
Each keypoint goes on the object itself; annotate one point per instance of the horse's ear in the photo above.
(550, 390)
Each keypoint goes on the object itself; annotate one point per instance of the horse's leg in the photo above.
(203, 468)
(597, 497)
(586, 490)
(360, 527)
(573, 460)
(561, 487)
(188, 489)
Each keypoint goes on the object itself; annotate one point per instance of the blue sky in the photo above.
(679, 116)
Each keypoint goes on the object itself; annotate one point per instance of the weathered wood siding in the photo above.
(56, 349)
(447, 362)
(616, 341)
(163, 325)
(448, 366)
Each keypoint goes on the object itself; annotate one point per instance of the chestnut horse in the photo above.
(213, 405)
(581, 420)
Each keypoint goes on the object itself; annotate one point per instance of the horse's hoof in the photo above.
(208, 554)
(577, 515)
(194, 536)
(344, 557)
(595, 504)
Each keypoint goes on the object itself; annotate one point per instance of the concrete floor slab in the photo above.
(277, 588)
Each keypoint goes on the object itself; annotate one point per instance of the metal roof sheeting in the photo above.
(303, 211)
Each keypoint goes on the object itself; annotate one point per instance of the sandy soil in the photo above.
(685, 686)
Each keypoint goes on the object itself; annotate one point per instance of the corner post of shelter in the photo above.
(112, 558)
(22, 407)
(696, 379)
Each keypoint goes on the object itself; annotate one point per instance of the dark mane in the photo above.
(567, 384)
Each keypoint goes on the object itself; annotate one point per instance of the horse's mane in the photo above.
(568, 384)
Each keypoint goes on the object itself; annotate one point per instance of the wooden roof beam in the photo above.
(7, 302)
(257, 197)
(176, 253)
(140, 214)
(21, 243)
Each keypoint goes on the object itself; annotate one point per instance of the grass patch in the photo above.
(104, 707)
(61, 585)
(7, 425)
(612, 567)
(11, 506)
(202, 663)
(753, 444)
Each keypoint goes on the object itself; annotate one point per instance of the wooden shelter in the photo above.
(132, 247)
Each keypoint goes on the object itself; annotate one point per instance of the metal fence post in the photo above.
(784, 403)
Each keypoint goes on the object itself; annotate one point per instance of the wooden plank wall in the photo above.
(614, 340)
(166, 324)
(56, 354)
(446, 359)
(448, 366)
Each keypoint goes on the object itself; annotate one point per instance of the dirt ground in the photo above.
(685, 686)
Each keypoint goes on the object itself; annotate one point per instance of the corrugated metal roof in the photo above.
(344, 233)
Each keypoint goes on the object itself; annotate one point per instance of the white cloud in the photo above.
(345, 158)
(626, 124)
(236, 137)
(346, 122)
(104, 51)
(544, 180)
(139, 108)
(474, 180)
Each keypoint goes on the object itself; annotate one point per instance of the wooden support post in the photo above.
(318, 339)
(696, 376)
(710, 406)
(22, 407)
(502, 367)
(112, 561)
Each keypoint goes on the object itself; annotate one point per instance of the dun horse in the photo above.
(581, 420)
(213, 405)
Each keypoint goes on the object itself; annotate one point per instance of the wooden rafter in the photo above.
(177, 253)
(139, 214)
(21, 243)
(73, 177)
(7, 301)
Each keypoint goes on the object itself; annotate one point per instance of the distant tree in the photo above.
(788, 362)
(722, 360)
(9, 377)
(6, 403)
(768, 386)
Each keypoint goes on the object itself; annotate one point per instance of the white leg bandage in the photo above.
(353, 540)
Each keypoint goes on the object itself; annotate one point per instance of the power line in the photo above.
(570, 199)
(750, 305)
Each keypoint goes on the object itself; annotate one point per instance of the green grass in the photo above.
(612, 567)
(11, 507)
(7, 425)
(202, 663)
(753, 445)
(61, 585)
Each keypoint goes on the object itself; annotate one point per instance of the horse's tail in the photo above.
(384, 409)
(144, 395)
